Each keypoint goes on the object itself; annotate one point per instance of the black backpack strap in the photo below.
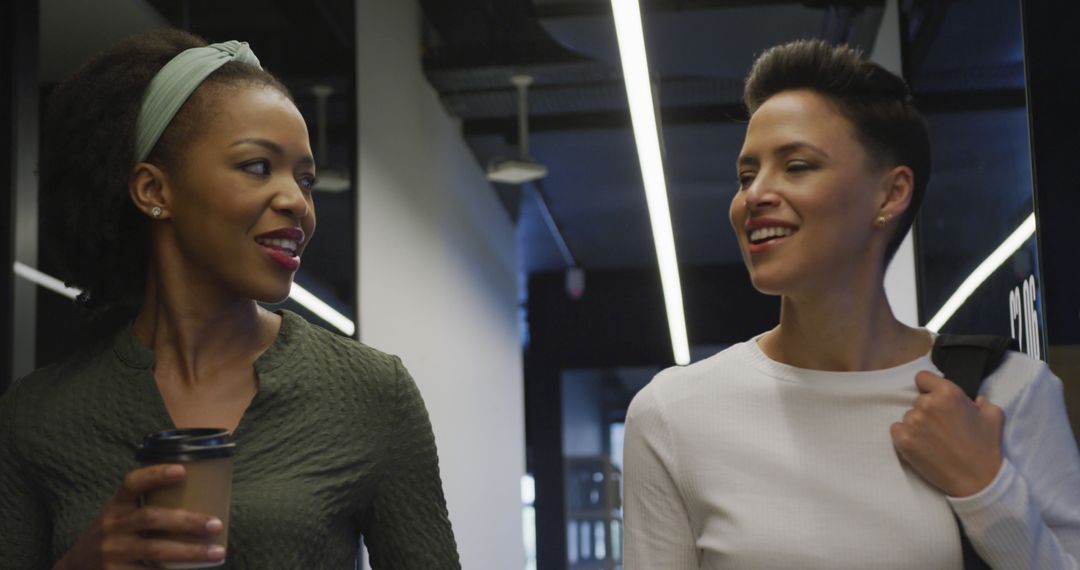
(967, 360)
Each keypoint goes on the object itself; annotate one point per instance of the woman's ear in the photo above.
(897, 188)
(147, 188)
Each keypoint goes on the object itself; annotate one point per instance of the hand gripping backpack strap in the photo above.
(967, 360)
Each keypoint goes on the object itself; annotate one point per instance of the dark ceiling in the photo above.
(962, 55)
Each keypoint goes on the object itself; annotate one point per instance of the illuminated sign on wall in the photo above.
(1024, 318)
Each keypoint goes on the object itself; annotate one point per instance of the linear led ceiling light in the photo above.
(325, 312)
(982, 272)
(639, 92)
(45, 280)
(298, 294)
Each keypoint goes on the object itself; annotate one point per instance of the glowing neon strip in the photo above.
(642, 113)
(47, 281)
(982, 272)
(325, 312)
(298, 294)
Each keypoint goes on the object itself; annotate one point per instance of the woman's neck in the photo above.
(197, 335)
(843, 330)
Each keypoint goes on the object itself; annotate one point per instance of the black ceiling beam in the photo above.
(332, 37)
(339, 23)
(603, 120)
(928, 103)
(438, 58)
(582, 9)
(310, 46)
(958, 101)
(571, 9)
(507, 31)
(922, 22)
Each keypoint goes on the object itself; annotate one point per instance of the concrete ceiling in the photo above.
(966, 55)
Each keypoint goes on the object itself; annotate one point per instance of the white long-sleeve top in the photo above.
(741, 462)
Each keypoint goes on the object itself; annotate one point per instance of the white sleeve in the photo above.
(1029, 516)
(659, 535)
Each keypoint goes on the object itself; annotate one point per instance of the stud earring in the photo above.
(155, 212)
(882, 220)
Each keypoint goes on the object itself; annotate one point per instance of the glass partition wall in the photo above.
(1053, 81)
(977, 255)
(996, 248)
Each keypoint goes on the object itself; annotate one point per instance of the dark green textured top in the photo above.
(335, 444)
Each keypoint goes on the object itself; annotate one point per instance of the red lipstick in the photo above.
(283, 246)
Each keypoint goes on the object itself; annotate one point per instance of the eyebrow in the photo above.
(272, 147)
(752, 160)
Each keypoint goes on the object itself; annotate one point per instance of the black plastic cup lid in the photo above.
(193, 444)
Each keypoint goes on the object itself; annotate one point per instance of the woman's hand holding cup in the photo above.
(119, 537)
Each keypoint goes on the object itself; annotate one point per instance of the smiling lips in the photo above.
(282, 246)
(763, 234)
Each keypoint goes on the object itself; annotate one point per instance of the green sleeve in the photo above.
(24, 527)
(407, 526)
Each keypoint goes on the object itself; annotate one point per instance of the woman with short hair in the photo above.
(830, 441)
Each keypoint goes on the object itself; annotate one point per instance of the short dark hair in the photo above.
(876, 102)
(99, 242)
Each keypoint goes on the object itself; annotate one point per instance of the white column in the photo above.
(900, 284)
(437, 282)
(25, 199)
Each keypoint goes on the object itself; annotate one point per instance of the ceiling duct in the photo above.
(523, 169)
(716, 38)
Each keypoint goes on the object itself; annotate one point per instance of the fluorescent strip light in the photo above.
(639, 92)
(298, 294)
(47, 281)
(324, 311)
(982, 272)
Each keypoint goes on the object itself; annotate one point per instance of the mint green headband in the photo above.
(172, 86)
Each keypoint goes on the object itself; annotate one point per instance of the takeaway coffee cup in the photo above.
(207, 456)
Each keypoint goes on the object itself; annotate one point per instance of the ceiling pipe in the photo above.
(525, 170)
(556, 232)
(522, 83)
(522, 169)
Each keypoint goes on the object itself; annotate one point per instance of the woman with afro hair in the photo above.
(182, 175)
